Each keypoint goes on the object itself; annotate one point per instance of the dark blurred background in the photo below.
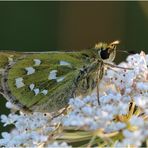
(40, 26)
(33, 26)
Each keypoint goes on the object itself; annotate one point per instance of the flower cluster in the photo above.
(120, 120)
(30, 129)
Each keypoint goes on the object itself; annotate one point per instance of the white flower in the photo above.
(141, 100)
(9, 120)
(132, 138)
(111, 98)
(115, 126)
(88, 99)
(38, 137)
(11, 105)
(87, 110)
(122, 108)
(73, 120)
(137, 121)
(6, 138)
(142, 86)
(31, 129)
(76, 103)
(58, 145)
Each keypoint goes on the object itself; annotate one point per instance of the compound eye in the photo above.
(104, 54)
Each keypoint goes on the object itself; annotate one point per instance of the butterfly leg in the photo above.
(116, 66)
(100, 73)
(62, 112)
(97, 82)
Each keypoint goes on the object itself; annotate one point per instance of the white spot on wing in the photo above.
(44, 92)
(52, 75)
(37, 62)
(19, 79)
(36, 91)
(65, 63)
(60, 79)
(19, 82)
(30, 70)
(31, 86)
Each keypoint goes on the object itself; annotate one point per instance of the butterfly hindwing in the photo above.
(44, 82)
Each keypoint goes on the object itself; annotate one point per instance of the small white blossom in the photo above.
(73, 120)
(87, 110)
(77, 102)
(137, 121)
(11, 105)
(9, 120)
(115, 127)
(132, 138)
(58, 145)
(142, 86)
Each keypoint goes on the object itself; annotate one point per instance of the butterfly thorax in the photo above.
(89, 75)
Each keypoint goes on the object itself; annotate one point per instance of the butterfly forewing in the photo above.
(54, 76)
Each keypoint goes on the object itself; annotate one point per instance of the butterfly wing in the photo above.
(5, 59)
(44, 82)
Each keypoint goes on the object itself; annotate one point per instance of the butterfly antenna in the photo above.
(124, 51)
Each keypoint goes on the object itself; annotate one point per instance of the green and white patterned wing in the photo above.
(44, 82)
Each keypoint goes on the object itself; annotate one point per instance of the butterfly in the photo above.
(45, 81)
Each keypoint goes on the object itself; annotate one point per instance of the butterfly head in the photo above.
(107, 52)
